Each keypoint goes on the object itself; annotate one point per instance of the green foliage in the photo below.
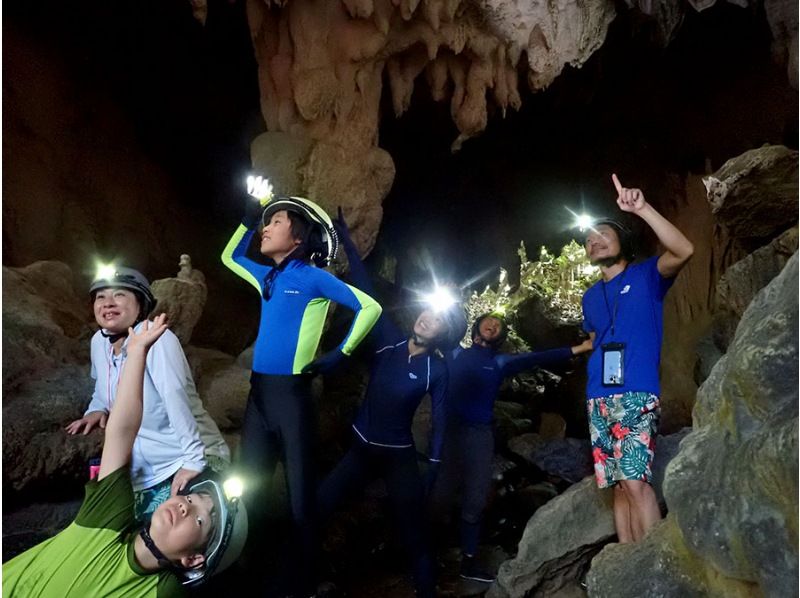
(558, 280)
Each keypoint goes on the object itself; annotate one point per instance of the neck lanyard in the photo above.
(108, 377)
(613, 315)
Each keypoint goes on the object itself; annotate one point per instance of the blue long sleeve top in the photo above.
(293, 318)
(398, 381)
(476, 374)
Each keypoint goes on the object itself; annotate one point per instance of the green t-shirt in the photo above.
(93, 556)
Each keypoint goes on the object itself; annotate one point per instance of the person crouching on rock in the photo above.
(405, 367)
(623, 314)
(101, 553)
(178, 438)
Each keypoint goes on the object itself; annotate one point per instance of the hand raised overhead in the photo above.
(628, 200)
(148, 334)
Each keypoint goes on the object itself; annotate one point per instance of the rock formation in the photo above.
(321, 69)
(561, 538)
(755, 195)
(182, 298)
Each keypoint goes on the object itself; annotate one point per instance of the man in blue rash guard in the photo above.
(476, 375)
(294, 234)
(404, 369)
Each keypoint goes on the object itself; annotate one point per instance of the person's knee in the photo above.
(637, 491)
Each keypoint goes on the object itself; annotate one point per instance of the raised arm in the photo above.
(678, 249)
(169, 372)
(511, 365)
(384, 330)
(126, 417)
(234, 255)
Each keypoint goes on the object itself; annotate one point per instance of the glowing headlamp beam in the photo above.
(441, 299)
(105, 272)
(233, 487)
(581, 221)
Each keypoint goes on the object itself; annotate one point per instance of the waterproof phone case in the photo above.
(613, 361)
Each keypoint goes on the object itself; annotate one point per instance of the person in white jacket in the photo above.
(177, 438)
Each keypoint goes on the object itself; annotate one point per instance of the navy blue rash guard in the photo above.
(397, 382)
(477, 373)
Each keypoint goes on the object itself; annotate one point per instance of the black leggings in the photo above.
(466, 464)
(398, 468)
(279, 424)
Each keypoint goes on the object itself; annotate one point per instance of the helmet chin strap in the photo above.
(113, 338)
(163, 561)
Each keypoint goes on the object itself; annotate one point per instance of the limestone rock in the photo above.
(742, 457)
(44, 323)
(557, 542)
(742, 280)
(669, 570)
(755, 194)
(567, 458)
(182, 298)
(222, 385)
(539, 30)
(783, 21)
(563, 536)
(321, 76)
(37, 452)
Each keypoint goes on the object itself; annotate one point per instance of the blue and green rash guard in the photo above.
(293, 318)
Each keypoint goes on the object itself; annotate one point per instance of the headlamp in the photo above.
(233, 487)
(583, 221)
(440, 299)
(105, 272)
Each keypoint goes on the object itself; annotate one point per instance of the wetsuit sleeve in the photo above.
(169, 372)
(514, 364)
(367, 310)
(384, 331)
(235, 258)
(438, 415)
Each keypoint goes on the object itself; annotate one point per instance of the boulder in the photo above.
(45, 324)
(557, 543)
(566, 533)
(39, 457)
(741, 281)
(224, 392)
(182, 298)
(754, 195)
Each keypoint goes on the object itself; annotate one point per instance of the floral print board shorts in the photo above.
(623, 429)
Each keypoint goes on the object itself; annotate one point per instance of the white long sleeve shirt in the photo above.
(176, 429)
